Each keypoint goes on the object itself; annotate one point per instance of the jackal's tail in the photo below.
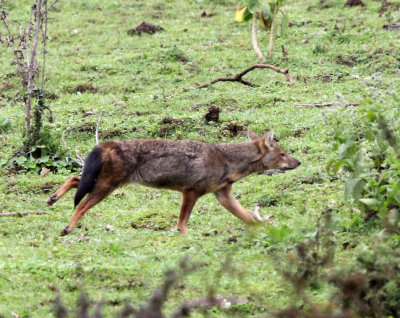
(90, 173)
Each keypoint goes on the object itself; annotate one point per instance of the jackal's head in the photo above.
(274, 157)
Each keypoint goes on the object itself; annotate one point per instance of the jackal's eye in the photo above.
(282, 154)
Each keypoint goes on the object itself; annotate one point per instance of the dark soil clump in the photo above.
(234, 129)
(85, 88)
(204, 14)
(171, 121)
(340, 59)
(46, 188)
(354, 3)
(146, 28)
(212, 114)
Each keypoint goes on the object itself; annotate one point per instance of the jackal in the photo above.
(191, 167)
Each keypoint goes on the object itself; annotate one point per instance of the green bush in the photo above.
(367, 147)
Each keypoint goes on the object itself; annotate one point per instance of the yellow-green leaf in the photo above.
(243, 14)
(240, 14)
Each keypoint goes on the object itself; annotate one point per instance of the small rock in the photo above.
(44, 171)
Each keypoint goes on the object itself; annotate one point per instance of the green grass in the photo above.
(140, 80)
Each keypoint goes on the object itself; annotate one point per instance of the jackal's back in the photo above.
(165, 164)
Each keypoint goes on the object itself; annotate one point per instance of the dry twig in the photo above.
(325, 104)
(97, 128)
(20, 214)
(79, 159)
(239, 77)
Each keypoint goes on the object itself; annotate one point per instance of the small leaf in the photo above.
(371, 203)
(266, 16)
(21, 160)
(396, 196)
(252, 5)
(354, 188)
(266, 11)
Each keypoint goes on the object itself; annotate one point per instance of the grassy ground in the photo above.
(138, 82)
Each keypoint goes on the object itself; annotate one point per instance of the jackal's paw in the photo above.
(174, 229)
(64, 231)
(52, 199)
(258, 218)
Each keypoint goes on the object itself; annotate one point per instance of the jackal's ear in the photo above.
(269, 138)
(252, 135)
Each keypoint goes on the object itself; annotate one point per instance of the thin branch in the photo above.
(32, 64)
(284, 52)
(325, 104)
(97, 128)
(44, 35)
(22, 213)
(80, 161)
(272, 33)
(238, 77)
(254, 34)
(52, 5)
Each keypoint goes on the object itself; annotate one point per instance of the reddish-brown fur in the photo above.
(193, 168)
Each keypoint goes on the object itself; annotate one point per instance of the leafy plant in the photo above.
(267, 13)
(46, 153)
(306, 259)
(366, 141)
(371, 288)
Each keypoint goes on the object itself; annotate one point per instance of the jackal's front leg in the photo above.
(188, 202)
(228, 201)
(72, 182)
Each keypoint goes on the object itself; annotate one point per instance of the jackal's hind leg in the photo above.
(90, 201)
(72, 182)
(228, 201)
(189, 200)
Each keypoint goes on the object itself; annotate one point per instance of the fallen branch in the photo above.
(325, 104)
(238, 77)
(20, 214)
(391, 27)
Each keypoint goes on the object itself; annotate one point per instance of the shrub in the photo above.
(367, 147)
